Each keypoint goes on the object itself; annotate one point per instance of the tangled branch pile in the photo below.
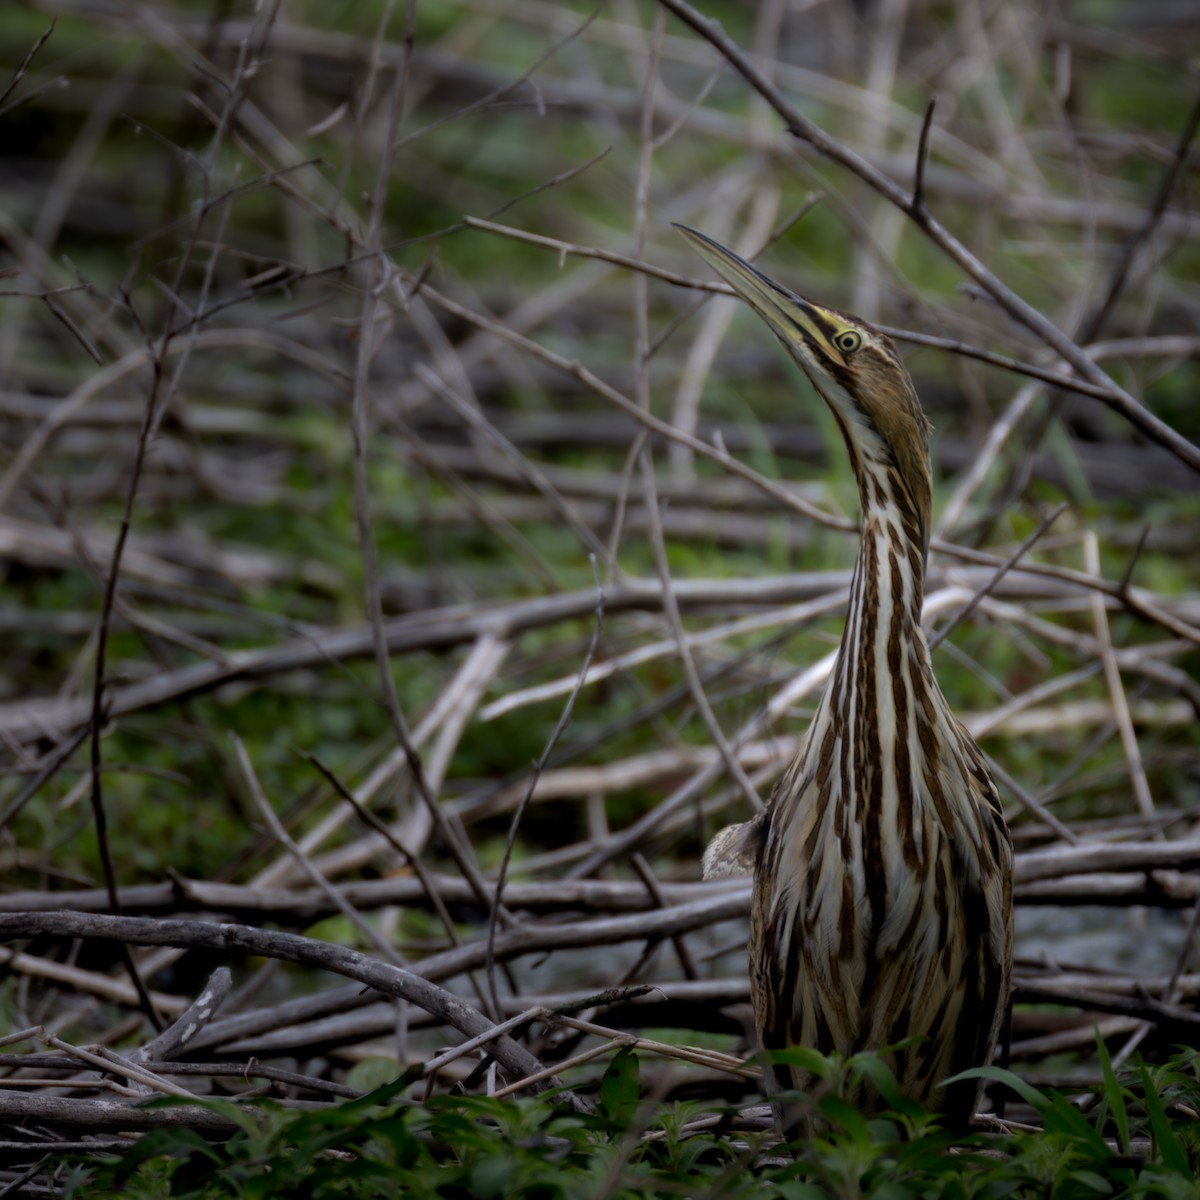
(389, 516)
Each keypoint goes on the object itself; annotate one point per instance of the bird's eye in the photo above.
(849, 341)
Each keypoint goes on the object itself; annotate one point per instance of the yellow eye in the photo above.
(848, 341)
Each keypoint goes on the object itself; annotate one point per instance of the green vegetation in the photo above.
(1123, 1145)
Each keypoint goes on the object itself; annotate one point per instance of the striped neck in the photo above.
(883, 664)
(883, 625)
(886, 493)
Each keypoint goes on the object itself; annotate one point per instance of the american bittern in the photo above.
(882, 905)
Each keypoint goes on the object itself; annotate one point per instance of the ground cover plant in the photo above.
(401, 535)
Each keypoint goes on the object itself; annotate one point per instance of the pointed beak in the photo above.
(794, 320)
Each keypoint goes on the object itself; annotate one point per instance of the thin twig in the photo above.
(1116, 690)
(23, 65)
(1002, 570)
(510, 841)
(917, 203)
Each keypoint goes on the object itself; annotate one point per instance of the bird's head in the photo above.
(856, 370)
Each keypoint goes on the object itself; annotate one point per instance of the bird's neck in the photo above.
(886, 596)
(883, 647)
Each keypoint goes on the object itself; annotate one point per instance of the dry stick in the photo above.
(640, 265)
(22, 1035)
(1170, 992)
(441, 629)
(1116, 690)
(1178, 1023)
(1095, 322)
(724, 905)
(432, 893)
(107, 1061)
(1018, 366)
(545, 899)
(613, 1037)
(203, 1070)
(642, 399)
(1157, 208)
(1002, 428)
(794, 615)
(52, 764)
(918, 192)
(1127, 574)
(97, 714)
(64, 319)
(434, 1065)
(86, 983)
(654, 424)
(800, 126)
(1002, 570)
(305, 905)
(953, 345)
(1030, 802)
(576, 1060)
(450, 711)
(1135, 602)
(245, 939)
(476, 420)
(152, 416)
(1081, 713)
(94, 1115)
(563, 721)
(175, 1038)
(1092, 857)
(23, 65)
(646, 875)
(1160, 889)
(327, 889)
(462, 854)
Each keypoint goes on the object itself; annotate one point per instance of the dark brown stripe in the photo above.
(870, 766)
(849, 924)
(901, 764)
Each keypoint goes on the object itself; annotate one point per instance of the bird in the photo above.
(881, 906)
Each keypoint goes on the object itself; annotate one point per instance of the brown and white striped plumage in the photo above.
(882, 866)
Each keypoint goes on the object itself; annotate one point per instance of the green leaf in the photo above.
(1058, 1113)
(1090, 1179)
(1166, 1142)
(492, 1176)
(794, 1190)
(842, 1113)
(1114, 1094)
(168, 1143)
(883, 1079)
(810, 1062)
(619, 1088)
